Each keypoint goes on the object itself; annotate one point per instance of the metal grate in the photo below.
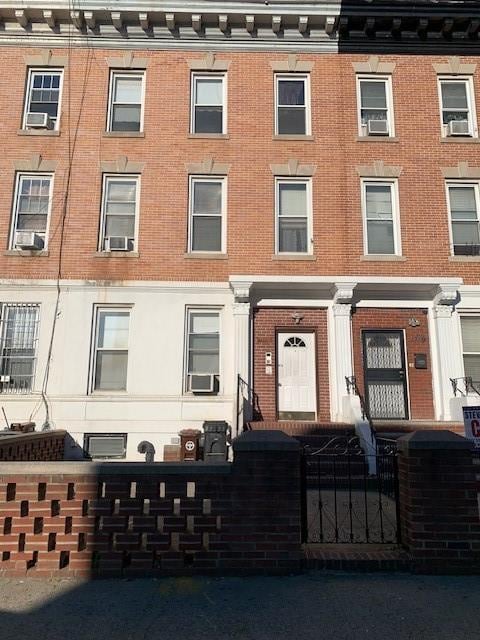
(18, 347)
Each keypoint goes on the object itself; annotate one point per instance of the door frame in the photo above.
(406, 385)
(293, 330)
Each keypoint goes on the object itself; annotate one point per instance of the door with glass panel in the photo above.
(385, 374)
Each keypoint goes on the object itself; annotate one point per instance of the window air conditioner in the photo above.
(202, 382)
(4, 379)
(38, 121)
(458, 128)
(28, 240)
(377, 127)
(116, 243)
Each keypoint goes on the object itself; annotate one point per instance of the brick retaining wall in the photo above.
(46, 446)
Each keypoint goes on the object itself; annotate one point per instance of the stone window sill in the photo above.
(289, 136)
(460, 140)
(38, 132)
(464, 258)
(293, 256)
(383, 258)
(376, 139)
(208, 136)
(205, 256)
(123, 134)
(116, 254)
(26, 254)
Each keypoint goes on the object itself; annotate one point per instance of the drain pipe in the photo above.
(147, 449)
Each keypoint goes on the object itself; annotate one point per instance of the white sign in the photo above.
(471, 421)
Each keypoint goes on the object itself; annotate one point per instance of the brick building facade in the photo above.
(190, 197)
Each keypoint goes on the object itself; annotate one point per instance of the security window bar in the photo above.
(293, 225)
(105, 445)
(19, 338)
(471, 347)
(203, 350)
(120, 204)
(455, 103)
(379, 218)
(111, 350)
(208, 109)
(126, 101)
(292, 100)
(464, 215)
(43, 96)
(206, 214)
(32, 209)
(374, 108)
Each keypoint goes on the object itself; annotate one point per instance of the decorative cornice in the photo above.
(462, 170)
(209, 62)
(121, 165)
(241, 290)
(447, 294)
(293, 168)
(208, 167)
(378, 170)
(373, 65)
(291, 65)
(454, 67)
(35, 163)
(343, 293)
(45, 58)
(128, 61)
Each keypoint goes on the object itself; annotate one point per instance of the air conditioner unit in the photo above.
(38, 121)
(458, 128)
(117, 243)
(377, 127)
(4, 379)
(28, 240)
(202, 382)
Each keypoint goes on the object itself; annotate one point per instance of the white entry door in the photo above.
(296, 376)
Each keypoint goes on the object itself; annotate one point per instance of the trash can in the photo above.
(215, 440)
(189, 444)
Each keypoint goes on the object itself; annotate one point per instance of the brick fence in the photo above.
(48, 445)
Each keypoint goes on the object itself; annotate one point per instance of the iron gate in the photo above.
(349, 497)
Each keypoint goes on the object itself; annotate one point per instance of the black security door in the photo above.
(385, 374)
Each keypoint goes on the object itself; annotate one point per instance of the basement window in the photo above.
(105, 445)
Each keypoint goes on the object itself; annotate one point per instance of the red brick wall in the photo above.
(267, 321)
(416, 341)
(33, 446)
(250, 149)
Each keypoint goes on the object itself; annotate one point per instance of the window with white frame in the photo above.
(43, 99)
(457, 107)
(207, 212)
(292, 104)
(471, 347)
(381, 232)
(18, 347)
(209, 114)
(31, 211)
(203, 351)
(126, 101)
(119, 213)
(293, 216)
(105, 445)
(464, 205)
(110, 357)
(374, 106)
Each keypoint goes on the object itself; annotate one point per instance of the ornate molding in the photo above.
(121, 165)
(343, 293)
(292, 65)
(293, 168)
(462, 170)
(45, 58)
(342, 310)
(35, 163)
(455, 67)
(241, 291)
(447, 295)
(128, 61)
(442, 311)
(373, 65)
(209, 62)
(208, 167)
(378, 170)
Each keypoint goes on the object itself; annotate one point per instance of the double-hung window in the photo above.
(43, 99)
(457, 107)
(119, 213)
(381, 227)
(293, 216)
(18, 347)
(31, 211)
(110, 353)
(464, 205)
(207, 213)
(203, 351)
(292, 104)
(471, 347)
(208, 111)
(374, 97)
(125, 111)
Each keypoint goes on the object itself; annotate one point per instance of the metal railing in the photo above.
(247, 403)
(352, 387)
(464, 386)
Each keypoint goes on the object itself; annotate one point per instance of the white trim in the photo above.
(124, 73)
(308, 214)
(223, 216)
(387, 81)
(107, 308)
(46, 71)
(13, 226)
(460, 183)
(397, 241)
(472, 115)
(305, 77)
(208, 75)
(118, 177)
(461, 315)
(192, 308)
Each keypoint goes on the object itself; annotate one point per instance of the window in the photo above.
(374, 97)
(105, 445)
(207, 204)
(293, 216)
(464, 217)
(44, 90)
(208, 104)
(292, 95)
(471, 347)
(203, 351)
(119, 213)
(19, 336)
(126, 101)
(457, 107)
(380, 218)
(111, 350)
(33, 196)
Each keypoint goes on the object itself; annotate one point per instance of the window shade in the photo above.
(471, 334)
